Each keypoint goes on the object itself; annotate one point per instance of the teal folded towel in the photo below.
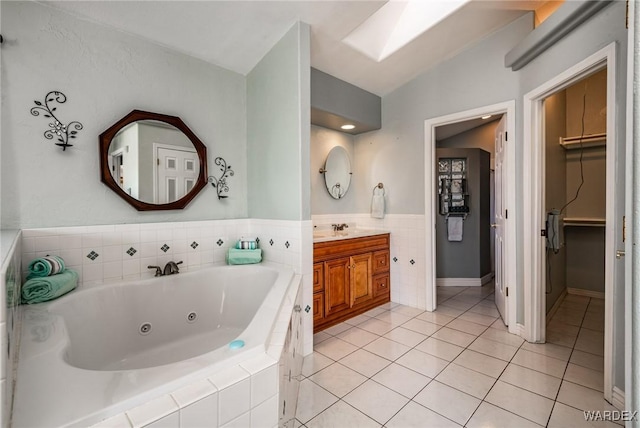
(45, 266)
(243, 257)
(38, 290)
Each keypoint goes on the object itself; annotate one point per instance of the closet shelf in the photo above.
(588, 141)
(584, 221)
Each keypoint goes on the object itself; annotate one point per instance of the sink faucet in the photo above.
(169, 269)
(337, 227)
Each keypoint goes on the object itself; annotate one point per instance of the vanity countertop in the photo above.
(325, 235)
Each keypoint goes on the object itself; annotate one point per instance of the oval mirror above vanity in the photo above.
(337, 172)
(153, 161)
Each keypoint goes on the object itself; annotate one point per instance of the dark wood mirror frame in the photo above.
(106, 177)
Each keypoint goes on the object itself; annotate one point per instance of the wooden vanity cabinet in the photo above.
(350, 276)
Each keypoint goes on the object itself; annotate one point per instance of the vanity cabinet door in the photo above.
(337, 291)
(318, 277)
(318, 307)
(361, 283)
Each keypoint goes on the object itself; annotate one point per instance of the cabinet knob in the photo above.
(384, 262)
(297, 308)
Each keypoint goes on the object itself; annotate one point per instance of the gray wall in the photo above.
(278, 117)
(469, 258)
(586, 246)
(344, 100)
(105, 74)
(481, 137)
(585, 258)
(595, 115)
(322, 141)
(555, 112)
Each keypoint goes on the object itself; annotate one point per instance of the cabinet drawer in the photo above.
(381, 261)
(318, 307)
(318, 277)
(381, 285)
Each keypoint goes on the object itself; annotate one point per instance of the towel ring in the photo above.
(378, 186)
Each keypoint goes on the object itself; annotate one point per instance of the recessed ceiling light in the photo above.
(348, 126)
(486, 117)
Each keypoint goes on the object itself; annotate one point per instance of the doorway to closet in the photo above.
(571, 223)
(575, 142)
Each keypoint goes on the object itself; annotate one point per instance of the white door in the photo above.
(499, 220)
(177, 173)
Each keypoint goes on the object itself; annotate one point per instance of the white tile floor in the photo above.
(397, 366)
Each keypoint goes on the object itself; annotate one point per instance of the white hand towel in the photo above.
(454, 228)
(377, 203)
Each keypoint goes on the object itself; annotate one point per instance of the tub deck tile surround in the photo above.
(194, 392)
(150, 412)
(10, 323)
(234, 398)
(481, 379)
(118, 421)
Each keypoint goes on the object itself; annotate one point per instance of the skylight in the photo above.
(397, 23)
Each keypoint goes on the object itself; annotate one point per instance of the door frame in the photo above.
(156, 147)
(507, 108)
(534, 195)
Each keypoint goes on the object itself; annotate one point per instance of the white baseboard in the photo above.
(618, 398)
(556, 305)
(463, 282)
(587, 293)
(519, 330)
(488, 277)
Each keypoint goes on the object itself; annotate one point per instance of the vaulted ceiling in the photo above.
(237, 34)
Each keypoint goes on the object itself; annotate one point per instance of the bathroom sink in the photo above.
(329, 235)
(325, 233)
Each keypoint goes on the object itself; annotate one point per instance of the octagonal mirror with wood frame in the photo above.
(153, 161)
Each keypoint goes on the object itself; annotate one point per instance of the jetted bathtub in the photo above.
(100, 351)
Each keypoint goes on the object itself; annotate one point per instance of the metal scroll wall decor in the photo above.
(63, 133)
(220, 183)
